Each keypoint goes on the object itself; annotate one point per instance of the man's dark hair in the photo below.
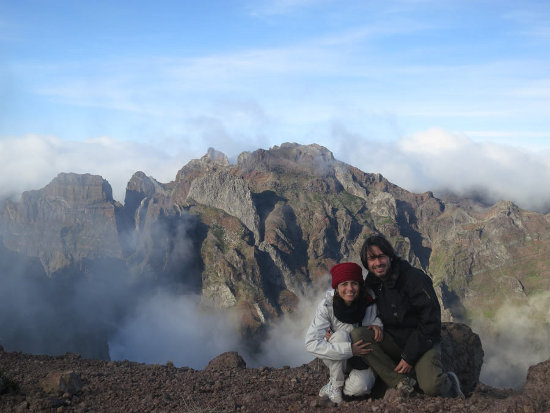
(380, 242)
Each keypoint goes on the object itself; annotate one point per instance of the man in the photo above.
(410, 313)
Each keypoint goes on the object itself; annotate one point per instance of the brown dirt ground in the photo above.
(123, 386)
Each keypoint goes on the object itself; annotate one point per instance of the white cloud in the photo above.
(432, 142)
(438, 160)
(32, 161)
(173, 328)
(284, 342)
(514, 340)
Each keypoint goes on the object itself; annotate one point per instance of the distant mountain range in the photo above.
(250, 237)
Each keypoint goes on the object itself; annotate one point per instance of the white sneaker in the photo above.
(333, 393)
(324, 392)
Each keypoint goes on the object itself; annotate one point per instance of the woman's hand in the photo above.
(360, 349)
(378, 333)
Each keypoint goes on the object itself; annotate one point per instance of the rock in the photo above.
(216, 157)
(60, 382)
(144, 185)
(70, 220)
(462, 353)
(23, 407)
(228, 360)
(394, 396)
(538, 377)
(229, 193)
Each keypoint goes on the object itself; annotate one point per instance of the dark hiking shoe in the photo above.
(406, 386)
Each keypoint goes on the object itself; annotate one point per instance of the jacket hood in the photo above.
(329, 295)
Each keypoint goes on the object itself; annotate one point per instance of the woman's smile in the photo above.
(348, 291)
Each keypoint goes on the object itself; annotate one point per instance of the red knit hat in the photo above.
(346, 271)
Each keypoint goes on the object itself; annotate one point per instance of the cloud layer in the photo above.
(439, 161)
(167, 327)
(32, 161)
(516, 339)
(432, 160)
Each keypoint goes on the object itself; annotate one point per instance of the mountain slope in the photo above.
(251, 237)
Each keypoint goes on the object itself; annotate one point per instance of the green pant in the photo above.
(387, 354)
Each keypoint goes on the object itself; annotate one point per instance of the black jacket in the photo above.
(408, 308)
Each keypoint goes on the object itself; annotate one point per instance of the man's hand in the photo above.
(360, 349)
(403, 367)
(378, 333)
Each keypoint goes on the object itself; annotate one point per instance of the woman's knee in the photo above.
(359, 382)
(362, 333)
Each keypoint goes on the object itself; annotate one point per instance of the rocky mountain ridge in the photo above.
(251, 237)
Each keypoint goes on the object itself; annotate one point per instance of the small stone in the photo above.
(61, 382)
(230, 359)
(22, 407)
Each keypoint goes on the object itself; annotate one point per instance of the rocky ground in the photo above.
(70, 383)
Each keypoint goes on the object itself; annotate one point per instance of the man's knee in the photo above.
(429, 372)
(430, 386)
(362, 333)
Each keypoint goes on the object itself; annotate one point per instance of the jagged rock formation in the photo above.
(252, 236)
(70, 220)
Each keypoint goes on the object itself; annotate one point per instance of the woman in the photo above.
(348, 305)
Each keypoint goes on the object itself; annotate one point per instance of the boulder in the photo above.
(536, 386)
(462, 353)
(228, 360)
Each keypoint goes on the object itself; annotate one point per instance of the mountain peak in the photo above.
(215, 157)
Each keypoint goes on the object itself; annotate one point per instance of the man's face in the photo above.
(378, 263)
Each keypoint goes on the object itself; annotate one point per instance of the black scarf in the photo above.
(350, 314)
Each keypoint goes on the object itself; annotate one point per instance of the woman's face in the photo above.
(348, 291)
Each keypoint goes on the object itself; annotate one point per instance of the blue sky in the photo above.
(432, 94)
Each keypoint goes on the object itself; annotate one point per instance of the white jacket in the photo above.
(325, 319)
